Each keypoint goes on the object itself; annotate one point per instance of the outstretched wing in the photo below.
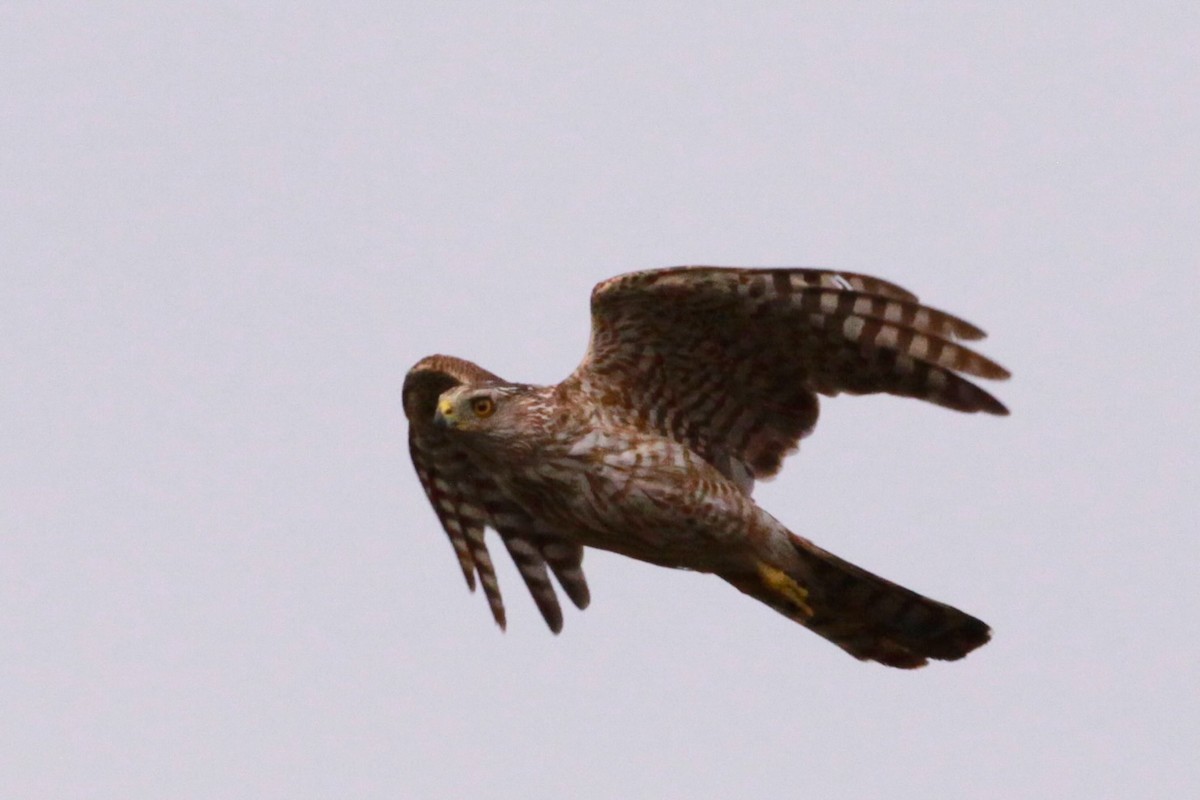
(467, 501)
(731, 361)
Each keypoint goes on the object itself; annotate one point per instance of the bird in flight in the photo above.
(697, 381)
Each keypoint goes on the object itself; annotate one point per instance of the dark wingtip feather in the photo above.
(960, 641)
(579, 594)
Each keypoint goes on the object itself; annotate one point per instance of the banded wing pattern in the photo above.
(730, 361)
(467, 502)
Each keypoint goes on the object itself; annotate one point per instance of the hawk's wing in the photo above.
(730, 361)
(466, 500)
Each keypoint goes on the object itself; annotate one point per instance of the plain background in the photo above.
(228, 229)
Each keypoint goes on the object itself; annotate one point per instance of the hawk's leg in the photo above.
(786, 587)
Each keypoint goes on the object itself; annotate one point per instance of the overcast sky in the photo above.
(226, 232)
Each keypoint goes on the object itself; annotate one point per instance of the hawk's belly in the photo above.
(646, 497)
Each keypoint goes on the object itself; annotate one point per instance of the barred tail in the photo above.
(870, 618)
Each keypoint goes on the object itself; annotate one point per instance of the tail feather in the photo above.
(869, 617)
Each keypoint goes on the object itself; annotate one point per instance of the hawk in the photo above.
(697, 381)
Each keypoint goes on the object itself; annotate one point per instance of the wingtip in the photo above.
(999, 374)
(996, 408)
(968, 331)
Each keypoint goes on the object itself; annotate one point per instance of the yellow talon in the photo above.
(778, 581)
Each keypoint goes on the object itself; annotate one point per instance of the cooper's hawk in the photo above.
(697, 381)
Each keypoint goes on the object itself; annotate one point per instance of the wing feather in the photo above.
(731, 360)
(466, 501)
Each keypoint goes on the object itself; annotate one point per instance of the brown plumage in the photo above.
(697, 381)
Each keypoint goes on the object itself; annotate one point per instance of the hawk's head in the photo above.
(447, 398)
(483, 409)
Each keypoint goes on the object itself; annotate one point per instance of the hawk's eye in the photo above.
(483, 406)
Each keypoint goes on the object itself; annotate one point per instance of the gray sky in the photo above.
(226, 232)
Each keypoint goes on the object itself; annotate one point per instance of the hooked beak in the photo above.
(444, 416)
